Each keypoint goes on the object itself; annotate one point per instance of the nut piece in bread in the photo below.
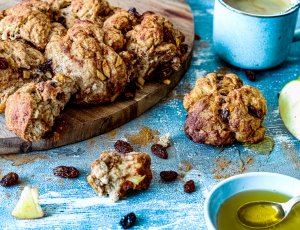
(113, 174)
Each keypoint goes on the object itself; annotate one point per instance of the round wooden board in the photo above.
(77, 124)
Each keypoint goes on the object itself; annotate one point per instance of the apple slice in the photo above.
(28, 206)
(289, 107)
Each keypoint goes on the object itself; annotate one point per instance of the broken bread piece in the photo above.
(28, 206)
(31, 111)
(113, 174)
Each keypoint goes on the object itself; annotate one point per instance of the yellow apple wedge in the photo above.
(289, 107)
(28, 206)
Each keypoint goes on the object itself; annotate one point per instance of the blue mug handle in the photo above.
(296, 36)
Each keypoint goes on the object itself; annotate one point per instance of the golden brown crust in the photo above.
(31, 111)
(221, 110)
(93, 11)
(114, 174)
(211, 83)
(205, 125)
(98, 70)
(156, 43)
(20, 59)
(27, 21)
(247, 108)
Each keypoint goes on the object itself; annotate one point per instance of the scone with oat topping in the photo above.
(27, 23)
(246, 108)
(99, 72)
(18, 66)
(114, 174)
(221, 110)
(31, 111)
(157, 46)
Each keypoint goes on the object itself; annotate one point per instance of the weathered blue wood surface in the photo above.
(72, 204)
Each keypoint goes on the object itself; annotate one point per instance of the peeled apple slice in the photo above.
(28, 206)
(289, 107)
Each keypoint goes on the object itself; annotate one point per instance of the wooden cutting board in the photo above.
(77, 124)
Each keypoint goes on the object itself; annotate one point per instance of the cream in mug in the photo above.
(260, 7)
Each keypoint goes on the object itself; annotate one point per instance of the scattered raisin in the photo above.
(3, 63)
(224, 115)
(255, 112)
(168, 175)
(9, 179)
(159, 151)
(123, 147)
(128, 220)
(66, 172)
(189, 186)
(132, 10)
(46, 66)
(197, 37)
(250, 75)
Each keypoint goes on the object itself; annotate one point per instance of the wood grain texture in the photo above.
(77, 124)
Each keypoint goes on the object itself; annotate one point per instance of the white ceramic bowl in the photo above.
(248, 181)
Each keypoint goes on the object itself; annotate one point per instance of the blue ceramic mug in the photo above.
(253, 41)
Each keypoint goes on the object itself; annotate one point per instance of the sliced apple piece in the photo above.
(289, 107)
(28, 206)
(136, 179)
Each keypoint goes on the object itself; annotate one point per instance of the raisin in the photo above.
(128, 220)
(129, 92)
(66, 172)
(250, 75)
(189, 186)
(255, 112)
(123, 147)
(132, 10)
(46, 66)
(168, 175)
(168, 36)
(184, 48)
(3, 63)
(220, 78)
(224, 115)
(197, 37)
(9, 179)
(159, 151)
(222, 101)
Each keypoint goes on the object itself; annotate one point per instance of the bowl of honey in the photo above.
(224, 200)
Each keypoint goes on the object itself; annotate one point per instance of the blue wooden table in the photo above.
(72, 203)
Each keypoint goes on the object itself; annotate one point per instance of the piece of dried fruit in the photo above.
(255, 112)
(159, 151)
(224, 115)
(46, 66)
(132, 10)
(123, 147)
(9, 179)
(66, 172)
(168, 175)
(26, 147)
(250, 75)
(189, 186)
(128, 220)
(3, 63)
(197, 37)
